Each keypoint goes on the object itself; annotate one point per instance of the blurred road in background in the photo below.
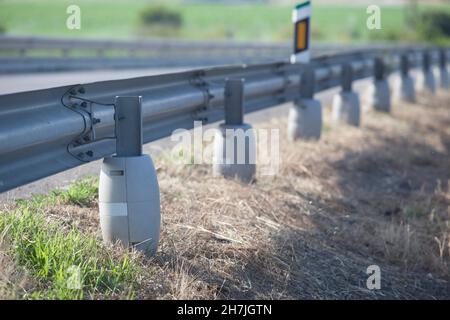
(13, 83)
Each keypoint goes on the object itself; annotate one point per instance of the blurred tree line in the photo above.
(431, 25)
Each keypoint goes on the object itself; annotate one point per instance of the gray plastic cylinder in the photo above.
(226, 161)
(305, 120)
(419, 80)
(429, 82)
(380, 96)
(346, 108)
(129, 202)
(444, 78)
(406, 89)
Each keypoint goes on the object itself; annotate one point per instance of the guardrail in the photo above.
(157, 47)
(48, 131)
(37, 54)
(50, 54)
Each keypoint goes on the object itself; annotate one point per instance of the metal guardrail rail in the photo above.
(36, 54)
(48, 131)
(31, 54)
(134, 47)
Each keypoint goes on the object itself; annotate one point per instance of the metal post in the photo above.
(426, 61)
(129, 199)
(404, 64)
(379, 69)
(442, 58)
(429, 80)
(346, 106)
(234, 102)
(405, 90)
(347, 77)
(235, 143)
(128, 119)
(380, 95)
(308, 83)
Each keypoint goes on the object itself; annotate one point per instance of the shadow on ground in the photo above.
(399, 180)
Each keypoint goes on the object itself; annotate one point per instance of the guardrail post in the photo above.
(235, 143)
(429, 82)
(380, 95)
(65, 52)
(346, 106)
(305, 116)
(406, 89)
(444, 76)
(129, 199)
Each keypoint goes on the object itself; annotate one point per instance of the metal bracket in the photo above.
(426, 61)
(199, 83)
(282, 73)
(74, 101)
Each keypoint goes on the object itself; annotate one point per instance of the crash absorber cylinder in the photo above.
(129, 200)
(305, 120)
(346, 106)
(235, 152)
(305, 115)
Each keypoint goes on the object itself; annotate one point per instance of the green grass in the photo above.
(416, 211)
(81, 193)
(55, 254)
(257, 22)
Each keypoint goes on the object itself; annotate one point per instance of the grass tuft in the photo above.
(82, 193)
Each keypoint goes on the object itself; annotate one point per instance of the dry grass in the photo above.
(375, 195)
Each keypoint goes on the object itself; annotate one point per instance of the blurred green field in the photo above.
(259, 22)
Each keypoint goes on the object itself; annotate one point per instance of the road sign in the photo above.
(302, 21)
